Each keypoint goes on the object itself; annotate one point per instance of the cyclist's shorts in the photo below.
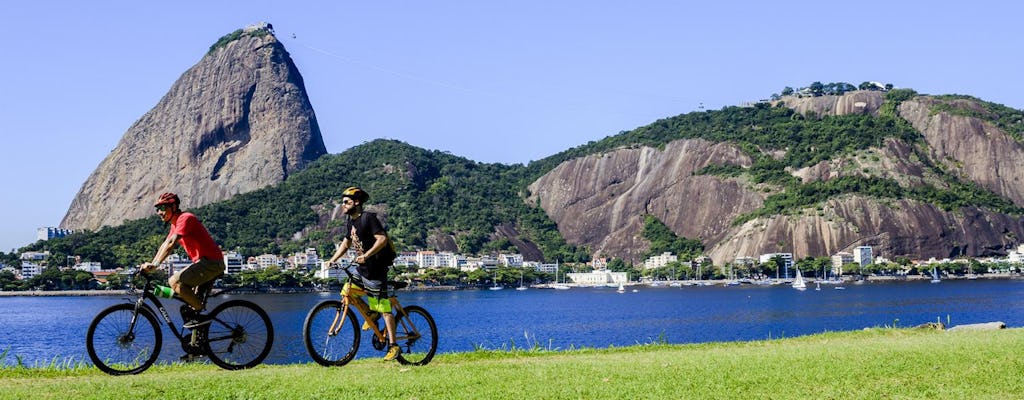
(202, 271)
(381, 305)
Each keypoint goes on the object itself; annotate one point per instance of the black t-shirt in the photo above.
(359, 233)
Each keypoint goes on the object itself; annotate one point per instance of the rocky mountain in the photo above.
(599, 200)
(237, 121)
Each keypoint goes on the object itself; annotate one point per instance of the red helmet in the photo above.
(167, 198)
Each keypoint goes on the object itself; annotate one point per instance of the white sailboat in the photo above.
(799, 283)
(935, 275)
(521, 287)
(621, 289)
(496, 286)
(559, 286)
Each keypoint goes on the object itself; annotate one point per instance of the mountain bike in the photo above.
(126, 338)
(332, 332)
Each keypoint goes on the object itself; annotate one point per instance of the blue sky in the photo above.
(506, 82)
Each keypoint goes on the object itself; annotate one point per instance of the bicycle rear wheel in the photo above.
(332, 339)
(239, 335)
(119, 347)
(416, 334)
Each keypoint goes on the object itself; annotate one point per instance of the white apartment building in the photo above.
(840, 259)
(175, 263)
(89, 266)
(49, 232)
(1016, 256)
(268, 260)
(601, 277)
(660, 260)
(307, 260)
(233, 262)
(862, 255)
(29, 270)
(511, 260)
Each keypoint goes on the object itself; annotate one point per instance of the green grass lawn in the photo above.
(870, 364)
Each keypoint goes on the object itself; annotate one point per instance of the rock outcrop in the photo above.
(599, 200)
(237, 121)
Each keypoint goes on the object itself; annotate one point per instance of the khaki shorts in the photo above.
(202, 271)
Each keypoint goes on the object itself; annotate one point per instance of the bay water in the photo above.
(40, 331)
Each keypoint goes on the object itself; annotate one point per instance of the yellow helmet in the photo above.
(356, 193)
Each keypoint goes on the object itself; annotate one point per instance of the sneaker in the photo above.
(192, 318)
(374, 316)
(393, 351)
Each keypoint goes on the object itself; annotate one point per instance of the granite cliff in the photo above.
(237, 121)
(599, 200)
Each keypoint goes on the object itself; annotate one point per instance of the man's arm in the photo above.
(381, 239)
(342, 248)
(162, 253)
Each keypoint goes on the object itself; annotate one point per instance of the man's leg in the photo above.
(185, 282)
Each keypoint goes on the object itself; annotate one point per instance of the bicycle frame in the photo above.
(352, 294)
(147, 294)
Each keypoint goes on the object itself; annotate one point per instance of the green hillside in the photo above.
(431, 194)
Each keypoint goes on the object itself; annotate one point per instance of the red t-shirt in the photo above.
(194, 238)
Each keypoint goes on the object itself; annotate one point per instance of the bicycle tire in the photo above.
(239, 335)
(416, 334)
(118, 349)
(327, 349)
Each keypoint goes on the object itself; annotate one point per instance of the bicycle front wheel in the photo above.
(122, 342)
(239, 335)
(416, 334)
(332, 338)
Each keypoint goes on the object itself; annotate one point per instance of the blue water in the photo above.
(42, 330)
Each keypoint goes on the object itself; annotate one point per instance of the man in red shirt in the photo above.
(207, 259)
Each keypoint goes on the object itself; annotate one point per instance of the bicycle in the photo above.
(126, 339)
(332, 334)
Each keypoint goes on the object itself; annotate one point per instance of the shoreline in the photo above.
(718, 282)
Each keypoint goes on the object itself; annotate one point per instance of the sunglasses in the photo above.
(347, 202)
(163, 207)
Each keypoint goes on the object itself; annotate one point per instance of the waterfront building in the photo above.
(233, 262)
(30, 269)
(89, 266)
(840, 259)
(175, 263)
(744, 260)
(862, 255)
(306, 260)
(1016, 256)
(547, 268)
(785, 258)
(660, 260)
(268, 260)
(601, 277)
(511, 260)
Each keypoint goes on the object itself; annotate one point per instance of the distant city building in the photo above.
(307, 260)
(786, 258)
(30, 269)
(269, 260)
(660, 260)
(601, 277)
(862, 255)
(89, 266)
(1016, 256)
(175, 263)
(511, 260)
(547, 268)
(744, 260)
(35, 256)
(49, 232)
(840, 259)
(233, 262)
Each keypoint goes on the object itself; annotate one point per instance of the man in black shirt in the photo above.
(374, 254)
